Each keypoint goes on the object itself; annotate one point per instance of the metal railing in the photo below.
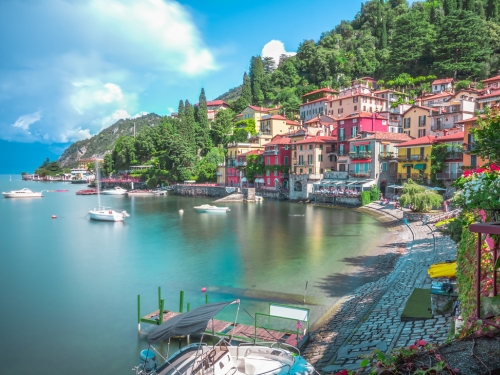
(414, 157)
(360, 174)
(469, 147)
(271, 152)
(448, 175)
(360, 155)
(413, 176)
(454, 155)
(387, 155)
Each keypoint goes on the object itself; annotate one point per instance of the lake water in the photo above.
(69, 286)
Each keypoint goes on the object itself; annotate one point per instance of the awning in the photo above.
(407, 165)
(420, 167)
(259, 180)
(361, 144)
(343, 160)
(244, 179)
(368, 183)
(190, 323)
(361, 161)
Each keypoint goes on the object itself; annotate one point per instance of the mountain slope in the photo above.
(105, 141)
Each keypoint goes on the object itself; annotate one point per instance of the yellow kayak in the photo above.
(443, 270)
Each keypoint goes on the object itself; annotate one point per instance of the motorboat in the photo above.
(117, 190)
(222, 358)
(141, 193)
(107, 214)
(23, 193)
(209, 208)
(87, 192)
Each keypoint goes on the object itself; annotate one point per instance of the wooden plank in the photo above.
(218, 325)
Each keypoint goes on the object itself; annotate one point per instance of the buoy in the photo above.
(54, 217)
(203, 290)
(181, 211)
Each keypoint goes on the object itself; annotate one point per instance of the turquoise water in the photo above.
(69, 285)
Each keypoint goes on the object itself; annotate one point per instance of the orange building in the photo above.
(469, 160)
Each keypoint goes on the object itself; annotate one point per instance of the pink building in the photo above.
(239, 177)
(278, 162)
(348, 127)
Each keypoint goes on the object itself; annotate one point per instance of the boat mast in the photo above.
(98, 187)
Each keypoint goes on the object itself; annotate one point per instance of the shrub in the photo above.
(374, 193)
(419, 198)
(365, 198)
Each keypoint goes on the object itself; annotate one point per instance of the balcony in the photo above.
(240, 164)
(271, 152)
(416, 157)
(450, 176)
(387, 155)
(360, 155)
(454, 155)
(329, 150)
(469, 147)
(413, 176)
(394, 123)
(360, 174)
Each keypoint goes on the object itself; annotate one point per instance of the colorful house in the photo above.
(321, 125)
(214, 106)
(314, 103)
(417, 122)
(442, 85)
(353, 100)
(272, 125)
(414, 160)
(242, 163)
(492, 83)
(313, 155)
(234, 150)
(252, 111)
(453, 163)
(469, 160)
(278, 162)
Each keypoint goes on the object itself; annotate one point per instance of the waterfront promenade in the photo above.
(370, 317)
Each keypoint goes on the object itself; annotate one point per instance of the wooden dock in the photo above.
(239, 332)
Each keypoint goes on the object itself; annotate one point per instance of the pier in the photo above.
(283, 323)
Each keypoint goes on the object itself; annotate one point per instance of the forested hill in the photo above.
(105, 140)
(387, 40)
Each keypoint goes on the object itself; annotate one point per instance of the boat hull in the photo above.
(106, 215)
(25, 193)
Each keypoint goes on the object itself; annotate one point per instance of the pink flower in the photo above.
(343, 372)
(413, 347)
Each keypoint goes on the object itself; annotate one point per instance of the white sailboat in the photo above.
(102, 213)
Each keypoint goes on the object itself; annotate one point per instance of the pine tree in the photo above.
(383, 25)
(492, 10)
(187, 127)
(180, 110)
(203, 127)
(469, 5)
(449, 6)
(256, 80)
(246, 90)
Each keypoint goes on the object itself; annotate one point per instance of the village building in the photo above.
(313, 155)
(442, 85)
(278, 163)
(353, 100)
(321, 125)
(417, 121)
(470, 161)
(453, 164)
(272, 125)
(213, 106)
(314, 103)
(234, 150)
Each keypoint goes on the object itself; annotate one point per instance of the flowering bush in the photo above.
(479, 190)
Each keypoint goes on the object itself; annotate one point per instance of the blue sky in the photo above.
(70, 68)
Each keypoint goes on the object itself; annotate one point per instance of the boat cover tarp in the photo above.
(190, 323)
(443, 270)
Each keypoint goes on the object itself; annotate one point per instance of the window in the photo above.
(342, 167)
(355, 99)
(301, 170)
(268, 172)
(285, 161)
(383, 168)
(320, 158)
(310, 170)
(275, 172)
(473, 161)
(268, 161)
(287, 147)
(340, 103)
(309, 159)
(364, 108)
(268, 181)
(421, 133)
(342, 122)
(301, 160)
(421, 120)
(364, 100)
(341, 150)
(354, 131)
(341, 134)
(354, 120)
(276, 160)
(321, 170)
(310, 147)
(300, 147)
(407, 123)
(355, 107)
(340, 110)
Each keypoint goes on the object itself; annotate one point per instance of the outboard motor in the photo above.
(148, 360)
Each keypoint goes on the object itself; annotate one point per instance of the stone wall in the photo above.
(204, 191)
(268, 194)
(302, 192)
(249, 194)
(347, 201)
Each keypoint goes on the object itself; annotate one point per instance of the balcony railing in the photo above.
(387, 155)
(271, 152)
(360, 155)
(360, 174)
(415, 157)
(240, 163)
(413, 176)
(469, 147)
(454, 155)
(448, 176)
(394, 123)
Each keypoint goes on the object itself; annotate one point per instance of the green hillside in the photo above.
(105, 141)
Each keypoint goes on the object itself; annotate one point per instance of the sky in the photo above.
(71, 68)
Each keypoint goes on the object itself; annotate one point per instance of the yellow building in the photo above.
(83, 163)
(272, 125)
(235, 149)
(252, 111)
(414, 159)
(417, 122)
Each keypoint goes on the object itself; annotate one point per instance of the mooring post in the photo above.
(188, 306)
(139, 313)
(206, 298)
(181, 302)
(162, 303)
(159, 296)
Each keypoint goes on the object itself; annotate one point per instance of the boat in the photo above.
(117, 190)
(222, 358)
(87, 192)
(105, 213)
(141, 193)
(209, 208)
(23, 193)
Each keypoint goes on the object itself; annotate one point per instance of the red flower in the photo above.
(421, 342)
(413, 347)
(343, 372)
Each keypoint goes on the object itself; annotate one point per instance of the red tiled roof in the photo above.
(429, 140)
(261, 109)
(435, 96)
(497, 93)
(216, 102)
(459, 135)
(293, 123)
(492, 79)
(420, 106)
(317, 139)
(384, 136)
(326, 89)
(279, 140)
(442, 81)
(327, 98)
(252, 152)
(274, 117)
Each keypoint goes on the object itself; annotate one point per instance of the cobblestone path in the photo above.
(370, 317)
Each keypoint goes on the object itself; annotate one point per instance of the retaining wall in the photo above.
(204, 190)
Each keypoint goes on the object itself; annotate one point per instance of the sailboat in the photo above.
(102, 213)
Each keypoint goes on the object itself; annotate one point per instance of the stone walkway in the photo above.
(370, 318)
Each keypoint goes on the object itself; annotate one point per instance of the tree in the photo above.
(463, 45)
(269, 64)
(207, 167)
(492, 9)
(487, 137)
(124, 154)
(289, 101)
(461, 85)
(180, 110)
(222, 127)
(246, 89)
(203, 140)
(419, 198)
(107, 167)
(187, 127)
(256, 80)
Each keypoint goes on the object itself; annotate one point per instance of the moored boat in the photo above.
(107, 214)
(209, 208)
(141, 193)
(23, 193)
(87, 192)
(117, 190)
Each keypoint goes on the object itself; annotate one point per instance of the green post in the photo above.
(162, 302)
(139, 313)
(181, 302)
(159, 296)
(206, 298)
(188, 306)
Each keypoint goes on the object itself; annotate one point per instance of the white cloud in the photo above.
(275, 48)
(85, 64)
(25, 121)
